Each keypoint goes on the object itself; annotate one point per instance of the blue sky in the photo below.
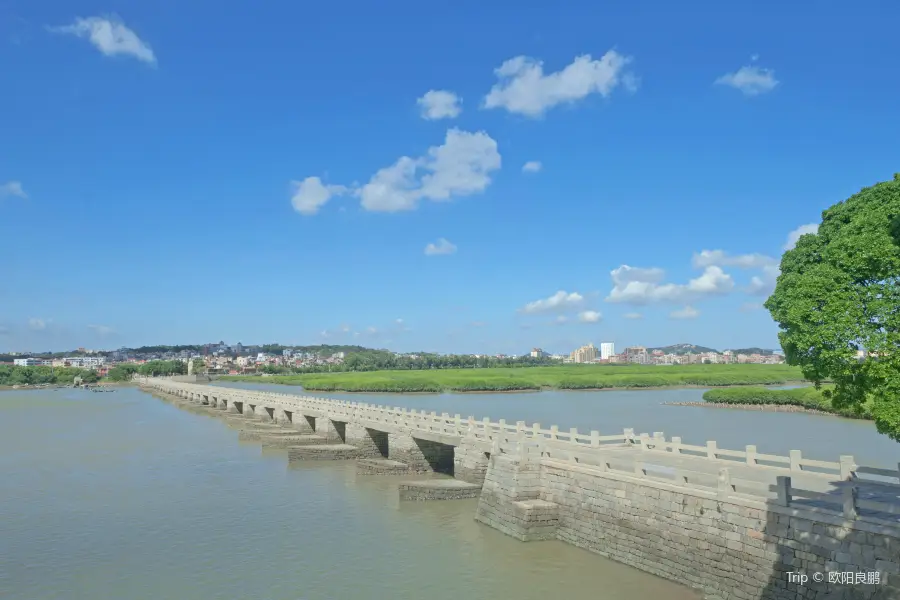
(179, 172)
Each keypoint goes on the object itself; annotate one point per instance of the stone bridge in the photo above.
(732, 523)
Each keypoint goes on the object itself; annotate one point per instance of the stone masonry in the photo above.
(728, 547)
(420, 455)
(371, 444)
(470, 461)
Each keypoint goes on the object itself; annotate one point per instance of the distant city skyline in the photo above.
(602, 350)
(426, 180)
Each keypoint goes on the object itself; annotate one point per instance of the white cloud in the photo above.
(720, 258)
(311, 194)
(439, 104)
(441, 246)
(522, 87)
(558, 302)
(110, 36)
(14, 189)
(36, 324)
(688, 312)
(461, 166)
(633, 285)
(532, 166)
(101, 329)
(589, 316)
(794, 236)
(750, 80)
(633, 315)
(764, 284)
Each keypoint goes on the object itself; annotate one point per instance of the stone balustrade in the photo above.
(734, 523)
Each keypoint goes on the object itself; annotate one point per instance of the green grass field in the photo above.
(568, 377)
(807, 397)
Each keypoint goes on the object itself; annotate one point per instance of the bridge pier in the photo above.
(281, 417)
(420, 455)
(333, 431)
(370, 442)
(470, 461)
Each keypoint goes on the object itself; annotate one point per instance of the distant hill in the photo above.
(753, 351)
(683, 349)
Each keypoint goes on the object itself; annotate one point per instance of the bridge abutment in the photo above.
(511, 501)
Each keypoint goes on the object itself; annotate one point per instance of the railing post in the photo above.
(628, 434)
(486, 424)
(595, 438)
(751, 455)
(520, 431)
(554, 432)
(783, 488)
(536, 431)
(573, 435)
(724, 482)
(850, 494)
(795, 460)
(676, 445)
(659, 439)
(645, 441)
(711, 449)
(847, 467)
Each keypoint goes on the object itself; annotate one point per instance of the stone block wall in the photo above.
(420, 455)
(334, 431)
(729, 547)
(370, 443)
(470, 462)
(301, 422)
(510, 500)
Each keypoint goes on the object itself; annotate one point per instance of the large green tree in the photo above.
(839, 293)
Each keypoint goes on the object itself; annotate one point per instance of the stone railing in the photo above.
(640, 455)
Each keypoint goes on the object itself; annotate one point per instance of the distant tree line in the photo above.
(379, 360)
(153, 368)
(15, 375)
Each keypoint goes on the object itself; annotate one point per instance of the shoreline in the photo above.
(788, 408)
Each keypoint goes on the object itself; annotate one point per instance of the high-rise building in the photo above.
(607, 349)
(584, 354)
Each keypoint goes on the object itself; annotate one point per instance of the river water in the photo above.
(123, 496)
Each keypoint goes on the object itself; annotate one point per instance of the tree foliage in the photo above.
(838, 293)
(15, 375)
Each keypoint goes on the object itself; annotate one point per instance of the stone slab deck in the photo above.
(379, 466)
(322, 452)
(438, 489)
